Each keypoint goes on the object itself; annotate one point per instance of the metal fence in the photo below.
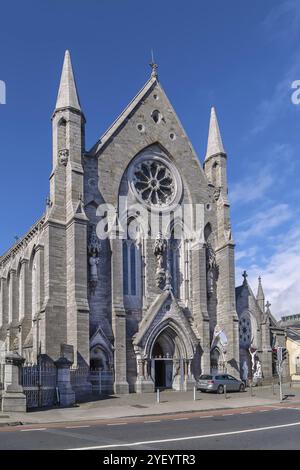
(39, 384)
(102, 381)
(78, 375)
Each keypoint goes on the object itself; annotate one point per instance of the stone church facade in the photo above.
(152, 309)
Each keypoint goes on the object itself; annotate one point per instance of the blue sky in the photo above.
(236, 55)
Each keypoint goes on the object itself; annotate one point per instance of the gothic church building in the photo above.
(148, 311)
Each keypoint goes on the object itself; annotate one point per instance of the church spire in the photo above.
(214, 142)
(260, 297)
(67, 94)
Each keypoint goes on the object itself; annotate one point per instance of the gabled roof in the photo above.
(238, 292)
(130, 108)
(153, 81)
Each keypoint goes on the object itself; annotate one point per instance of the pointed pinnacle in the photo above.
(67, 94)
(260, 293)
(214, 141)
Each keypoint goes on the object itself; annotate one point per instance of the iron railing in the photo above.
(39, 384)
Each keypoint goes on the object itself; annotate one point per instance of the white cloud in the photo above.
(283, 24)
(249, 253)
(283, 20)
(245, 191)
(281, 275)
(261, 223)
(277, 104)
(270, 171)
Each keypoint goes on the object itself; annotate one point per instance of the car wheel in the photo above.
(242, 388)
(220, 389)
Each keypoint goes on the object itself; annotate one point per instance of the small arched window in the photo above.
(61, 134)
(215, 174)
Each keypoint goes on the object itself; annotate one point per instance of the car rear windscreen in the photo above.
(205, 377)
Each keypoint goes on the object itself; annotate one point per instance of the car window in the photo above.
(205, 377)
(218, 377)
(230, 377)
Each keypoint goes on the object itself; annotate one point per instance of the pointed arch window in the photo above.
(130, 260)
(132, 271)
(62, 134)
(178, 263)
(21, 290)
(34, 288)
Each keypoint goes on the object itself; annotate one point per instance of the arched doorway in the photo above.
(163, 364)
(215, 360)
(169, 363)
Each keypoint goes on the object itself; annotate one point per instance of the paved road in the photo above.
(261, 428)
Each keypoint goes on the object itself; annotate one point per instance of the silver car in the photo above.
(217, 382)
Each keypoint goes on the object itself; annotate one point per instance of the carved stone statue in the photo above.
(94, 261)
(63, 156)
(160, 247)
(211, 267)
(94, 249)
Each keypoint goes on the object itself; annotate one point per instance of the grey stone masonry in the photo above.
(144, 311)
(13, 398)
(66, 393)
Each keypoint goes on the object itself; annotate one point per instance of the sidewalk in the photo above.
(134, 405)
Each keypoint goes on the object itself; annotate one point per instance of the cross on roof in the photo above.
(245, 275)
(153, 66)
(268, 305)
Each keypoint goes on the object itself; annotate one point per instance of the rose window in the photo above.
(154, 183)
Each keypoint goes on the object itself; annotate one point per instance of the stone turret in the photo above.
(215, 167)
(66, 226)
(66, 181)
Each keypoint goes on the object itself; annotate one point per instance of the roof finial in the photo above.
(153, 65)
(245, 275)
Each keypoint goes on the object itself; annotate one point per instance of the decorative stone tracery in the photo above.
(154, 182)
